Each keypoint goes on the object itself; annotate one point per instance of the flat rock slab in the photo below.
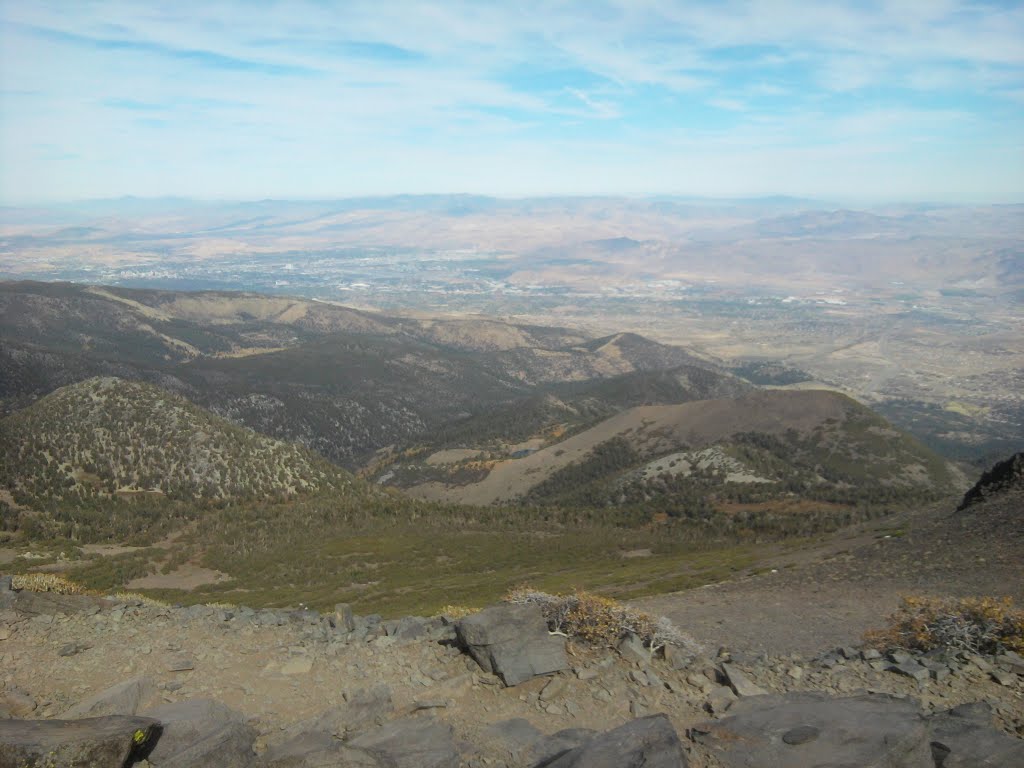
(740, 683)
(96, 741)
(647, 742)
(202, 733)
(971, 742)
(813, 730)
(513, 642)
(121, 699)
(51, 603)
(412, 742)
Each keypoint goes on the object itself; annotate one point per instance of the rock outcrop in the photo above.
(97, 741)
(649, 742)
(814, 730)
(512, 642)
(1007, 475)
(239, 688)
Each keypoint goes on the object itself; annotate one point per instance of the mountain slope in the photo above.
(105, 436)
(787, 440)
(341, 381)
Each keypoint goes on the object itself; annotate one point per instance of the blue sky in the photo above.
(861, 101)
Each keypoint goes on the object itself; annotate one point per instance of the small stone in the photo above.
(720, 699)
(699, 681)
(70, 649)
(638, 677)
(800, 735)
(900, 657)
(299, 666)
(795, 672)
(979, 662)
(554, 688)
(554, 709)
(1003, 677)
(587, 673)
(430, 704)
(740, 683)
(869, 654)
(1011, 661)
(181, 664)
(676, 657)
(912, 670)
(631, 648)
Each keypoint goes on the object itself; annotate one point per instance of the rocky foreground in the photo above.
(97, 682)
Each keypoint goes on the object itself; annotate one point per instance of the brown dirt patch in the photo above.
(186, 577)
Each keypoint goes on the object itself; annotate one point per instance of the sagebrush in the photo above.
(47, 582)
(598, 620)
(977, 624)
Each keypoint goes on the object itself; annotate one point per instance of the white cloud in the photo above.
(430, 90)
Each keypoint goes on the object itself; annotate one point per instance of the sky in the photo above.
(248, 99)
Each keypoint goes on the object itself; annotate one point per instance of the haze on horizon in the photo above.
(851, 101)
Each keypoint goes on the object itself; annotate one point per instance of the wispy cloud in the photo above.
(321, 97)
(201, 58)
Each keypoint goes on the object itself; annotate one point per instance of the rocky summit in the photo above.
(1004, 477)
(90, 681)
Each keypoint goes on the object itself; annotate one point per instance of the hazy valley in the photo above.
(912, 309)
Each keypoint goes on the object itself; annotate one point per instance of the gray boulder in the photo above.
(344, 618)
(740, 683)
(31, 603)
(648, 742)
(362, 709)
(513, 738)
(201, 734)
(512, 641)
(557, 744)
(317, 751)
(964, 738)
(813, 730)
(418, 628)
(412, 742)
(98, 741)
(121, 699)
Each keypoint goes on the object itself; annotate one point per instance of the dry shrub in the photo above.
(598, 620)
(47, 582)
(455, 612)
(976, 624)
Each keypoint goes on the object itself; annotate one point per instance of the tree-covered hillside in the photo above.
(107, 437)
